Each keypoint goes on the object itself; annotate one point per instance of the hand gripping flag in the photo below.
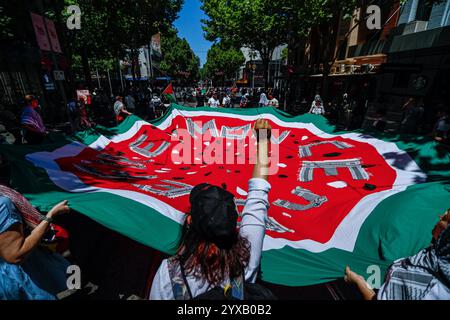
(337, 198)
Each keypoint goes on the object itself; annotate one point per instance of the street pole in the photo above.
(150, 50)
(253, 79)
(278, 73)
(289, 58)
(121, 77)
(109, 81)
(98, 78)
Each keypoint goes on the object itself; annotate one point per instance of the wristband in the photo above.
(48, 219)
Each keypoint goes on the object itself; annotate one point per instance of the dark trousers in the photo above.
(34, 137)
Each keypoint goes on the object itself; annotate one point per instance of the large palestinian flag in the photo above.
(337, 199)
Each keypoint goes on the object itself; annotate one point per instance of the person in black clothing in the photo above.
(200, 98)
(380, 121)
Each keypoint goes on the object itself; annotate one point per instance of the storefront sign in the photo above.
(59, 75)
(46, 36)
(53, 36)
(39, 29)
(49, 85)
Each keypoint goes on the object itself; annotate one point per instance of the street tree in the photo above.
(144, 18)
(260, 25)
(179, 60)
(223, 62)
(319, 22)
(5, 23)
(109, 27)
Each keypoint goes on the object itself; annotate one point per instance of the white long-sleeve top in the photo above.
(253, 227)
(317, 109)
(263, 99)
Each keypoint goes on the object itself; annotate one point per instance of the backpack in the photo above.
(237, 290)
(252, 291)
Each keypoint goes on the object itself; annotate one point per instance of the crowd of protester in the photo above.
(24, 124)
(230, 97)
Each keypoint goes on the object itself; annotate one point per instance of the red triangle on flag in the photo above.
(169, 89)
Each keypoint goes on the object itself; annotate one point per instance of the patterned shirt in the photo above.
(32, 118)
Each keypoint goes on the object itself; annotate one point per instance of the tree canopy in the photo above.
(260, 25)
(5, 22)
(111, 29)
(109, 26)
(223, 62)
(179, 61)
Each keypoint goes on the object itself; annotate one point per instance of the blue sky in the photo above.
(190, 28)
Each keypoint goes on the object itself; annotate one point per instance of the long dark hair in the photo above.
(203, 259)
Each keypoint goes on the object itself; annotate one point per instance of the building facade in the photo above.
(382, 68)
(251, 73)
(418, 60)
(149, 58)
(31, 51)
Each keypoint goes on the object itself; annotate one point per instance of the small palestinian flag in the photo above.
(169, 94)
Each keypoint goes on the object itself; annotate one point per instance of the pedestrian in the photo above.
(348, 106)
(9, 128)
(119, 110)
(412, 114)
(226, 102)
(212, 253)
(380, 121)
(317, 106)
(244, 101)
(263, 101)
(304, 106)
(156, 106)
(84, 122)
(213, 102)
(33, 127)
(130, 102)
(442, 127)
(200, 98)
(273, 102)
(332, 113)
(72, 112)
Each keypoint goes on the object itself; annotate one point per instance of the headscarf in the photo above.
(56, 237)
(412, 278)
(30, 215)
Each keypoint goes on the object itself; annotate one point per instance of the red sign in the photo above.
(53, 36)
(46, 35)
(41, 33)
